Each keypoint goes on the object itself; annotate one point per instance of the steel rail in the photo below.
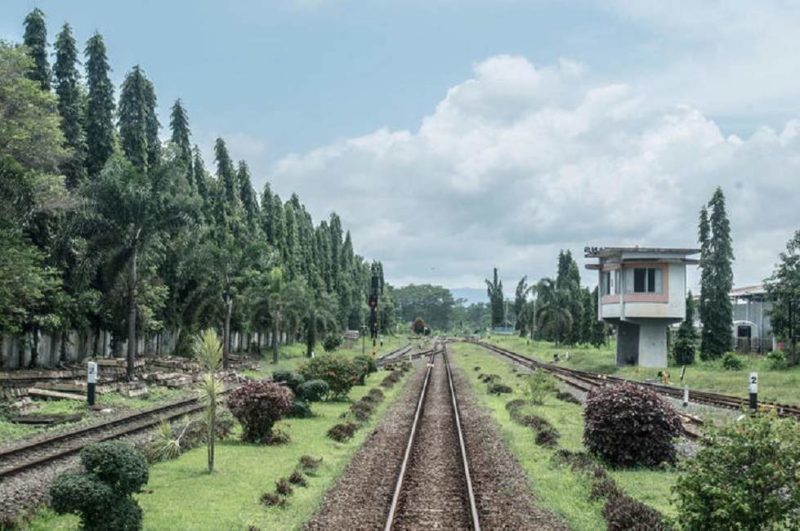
(407, 456)
(705, 397)
(583, 382)
(71, 441)
(473, 506)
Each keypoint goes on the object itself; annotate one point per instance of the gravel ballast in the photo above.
(502, 492)
(434, 495)
(360, 499)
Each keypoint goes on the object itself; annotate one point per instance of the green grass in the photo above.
(773, 386)
(556, 486)
(181, 495)
(291, 357)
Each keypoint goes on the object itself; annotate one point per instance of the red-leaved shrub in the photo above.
(629, 425)
(258, 405)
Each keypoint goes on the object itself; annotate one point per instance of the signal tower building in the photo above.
(642, 290)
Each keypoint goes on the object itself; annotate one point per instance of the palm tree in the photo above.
(208, 351)
(319, 316)
(552, 310)
(494, 289)
(128, 213)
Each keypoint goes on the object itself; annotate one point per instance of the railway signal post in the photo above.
(753, 391)
(373, 310)
(91, 382)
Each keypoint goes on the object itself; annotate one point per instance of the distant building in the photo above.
(642, 291)
(751, 328)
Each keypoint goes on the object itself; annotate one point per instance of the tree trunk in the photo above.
(34, 347)
(62, 354)
(132, 318)
(226, 333)
(275, 334)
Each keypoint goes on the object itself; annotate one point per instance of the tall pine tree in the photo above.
(179, 126)
(35, 38)
(246, 194)
(151, 125)
(133, 119)
(716, 280)
(67, 85)
(100, 106)
(226, 175)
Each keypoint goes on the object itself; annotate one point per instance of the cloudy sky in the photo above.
(454, 136)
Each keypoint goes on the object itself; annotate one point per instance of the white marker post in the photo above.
(753, 391)
(91, 380)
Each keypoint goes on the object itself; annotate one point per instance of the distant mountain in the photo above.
(472, 295)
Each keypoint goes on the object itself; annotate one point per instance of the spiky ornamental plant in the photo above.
(35, 38)
(716, 279)
(67, 85)
(100, 106)
(208, 351)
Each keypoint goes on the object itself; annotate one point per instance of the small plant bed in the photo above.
(245, 490)
(558, 425)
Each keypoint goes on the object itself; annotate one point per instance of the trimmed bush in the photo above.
(514, 404)
(732, 362)
(117, 464)
(258, 405)
(309, 463)
(629, 425)
(342, 432)
(298, 479)
(498, 388)
(339, 372)
(366, 365)
(332, 342)
(623, 513)
(777, 360)
(375, 396)
(283, 487)
(361, 410)
(300, 409)
(565, 396)
(102, 496)
(270, 499)
(314, 390)
(391, 379)
(292, 380)
(744, 477)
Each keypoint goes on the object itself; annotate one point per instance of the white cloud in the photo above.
(732, 58)
(520, 161)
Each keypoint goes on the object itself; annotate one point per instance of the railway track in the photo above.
(32, 454)
(434, 486)
(585, 383)
(401, 354)
(589, 379)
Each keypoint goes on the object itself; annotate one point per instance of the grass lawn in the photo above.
(181, 495)
(291, 357)
(773, 386)
(556, 486)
